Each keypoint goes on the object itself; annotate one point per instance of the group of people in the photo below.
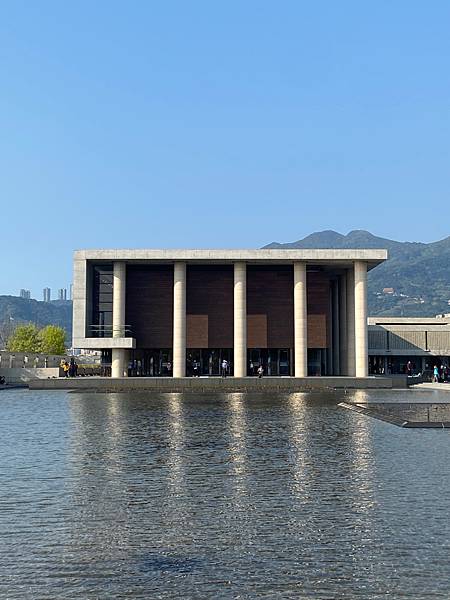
(70, 369)
(225, 367)
(441, 374)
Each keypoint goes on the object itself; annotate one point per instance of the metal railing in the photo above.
(109, 331)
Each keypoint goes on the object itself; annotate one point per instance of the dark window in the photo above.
(102, 302)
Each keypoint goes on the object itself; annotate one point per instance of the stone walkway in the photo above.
(441, 387)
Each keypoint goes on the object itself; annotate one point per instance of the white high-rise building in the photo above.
(47, 294)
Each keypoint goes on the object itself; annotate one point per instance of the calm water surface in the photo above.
(231, 496)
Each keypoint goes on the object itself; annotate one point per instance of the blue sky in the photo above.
(207, 124)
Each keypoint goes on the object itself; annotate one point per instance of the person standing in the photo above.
(435, 374)
(224, 367)
(195, 368)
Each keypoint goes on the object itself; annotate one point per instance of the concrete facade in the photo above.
(395, 341)
(327, 295)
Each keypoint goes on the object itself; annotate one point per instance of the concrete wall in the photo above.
(26, 375)
(214, 384)
(409, 337)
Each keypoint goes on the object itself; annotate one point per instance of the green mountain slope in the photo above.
(419, 273)
(14, 310)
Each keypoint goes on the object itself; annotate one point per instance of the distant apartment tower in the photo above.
(47, 294)
(62, 294)
(71, 292)
(25, 294)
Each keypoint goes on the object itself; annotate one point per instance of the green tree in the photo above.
(52, 340)
(25, 338)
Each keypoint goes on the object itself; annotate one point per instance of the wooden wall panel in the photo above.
(209, 292)
(196, 331)
(149, 305)
(270, 293)
(209, 298)
(318, 292)
(257, 331)
(317, 331)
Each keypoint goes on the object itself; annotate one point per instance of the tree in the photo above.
(52, 340)
(25, 338)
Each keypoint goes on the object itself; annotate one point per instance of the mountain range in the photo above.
(15, 310)
(419, 273)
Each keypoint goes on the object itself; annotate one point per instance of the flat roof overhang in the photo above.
(325, 257)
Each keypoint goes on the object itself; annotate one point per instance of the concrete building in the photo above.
(46, 293)
(395, 341)
(62, 294)
(25, 294)
(182, 312)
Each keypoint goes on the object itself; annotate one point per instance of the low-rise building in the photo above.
(395, 341)
(181, 312)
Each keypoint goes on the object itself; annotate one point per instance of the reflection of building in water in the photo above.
(183, 312)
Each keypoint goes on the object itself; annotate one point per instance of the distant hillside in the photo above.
(14, 310)
(419, 273)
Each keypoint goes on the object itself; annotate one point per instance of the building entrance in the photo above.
(275, 361)
(207, 361)
(151, 363)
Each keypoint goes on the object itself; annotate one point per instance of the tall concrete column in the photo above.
(119, 288)
(343, 324)
(350, 323)
(361, 351)
(119, 362)
(300, 321)
(179, 319)
(335, 327)
(240, 319)
(118, 355)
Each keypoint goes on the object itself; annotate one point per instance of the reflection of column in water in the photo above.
(359, 397)
(299, 428)
(177, 512)
(97, 432)
(362, 503)
(175, 443)
(237, 427)
(98, 471)
(362, 497)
